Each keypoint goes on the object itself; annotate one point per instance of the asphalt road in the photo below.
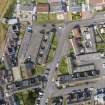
(60, 50)
(50, 88)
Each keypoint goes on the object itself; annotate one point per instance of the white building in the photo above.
(100, 99)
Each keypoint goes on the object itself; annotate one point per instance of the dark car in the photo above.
(99, 91)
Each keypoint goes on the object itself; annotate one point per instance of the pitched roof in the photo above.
(42, 7)
(28, 7)
(97, 2)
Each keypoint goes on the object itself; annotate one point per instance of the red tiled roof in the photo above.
(44, 7)
(77, 33)
(96, 2)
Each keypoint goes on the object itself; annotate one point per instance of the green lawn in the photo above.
(100, 47)
(26, 97)
(3, 30)
(43, 18)
(76, 16)
(39, 70)
(42, 1)
(26, 1)
(103, 35)
(69, 15)
(65, 102)
(53, 49)
(63, 67)
(52, 16)
(71, 52)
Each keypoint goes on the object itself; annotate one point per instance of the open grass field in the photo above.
(5, 10)
(53, 49)
(2, 5)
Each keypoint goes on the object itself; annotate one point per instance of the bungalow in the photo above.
(42, 8)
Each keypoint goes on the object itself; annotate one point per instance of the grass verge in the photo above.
(53, 49)
(39, 70)
(63, 67)
(43, 18)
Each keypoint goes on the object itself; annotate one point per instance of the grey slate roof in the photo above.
(56, 7)
(28, 7)
(76, 8)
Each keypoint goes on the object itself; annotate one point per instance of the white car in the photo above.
(46, 101)
(57, 65)
(53, 80)
(60, 27)
(103, 65)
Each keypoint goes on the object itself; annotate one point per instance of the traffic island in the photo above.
(53, 48)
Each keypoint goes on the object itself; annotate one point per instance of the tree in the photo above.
(53, 30)
(42, 31)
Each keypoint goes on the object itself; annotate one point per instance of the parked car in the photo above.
(29, 29)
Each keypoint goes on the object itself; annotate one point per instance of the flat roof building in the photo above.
(83, 68)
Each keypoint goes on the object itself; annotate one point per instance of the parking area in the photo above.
(11, 48)
(44, 47)
(36, 44)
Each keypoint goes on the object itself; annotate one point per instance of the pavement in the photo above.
(61, 50)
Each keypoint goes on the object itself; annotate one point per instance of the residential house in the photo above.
(42, 8)
(56, 7)
(87, 11)
(26, 12)
(97, 4)
(77, 77)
